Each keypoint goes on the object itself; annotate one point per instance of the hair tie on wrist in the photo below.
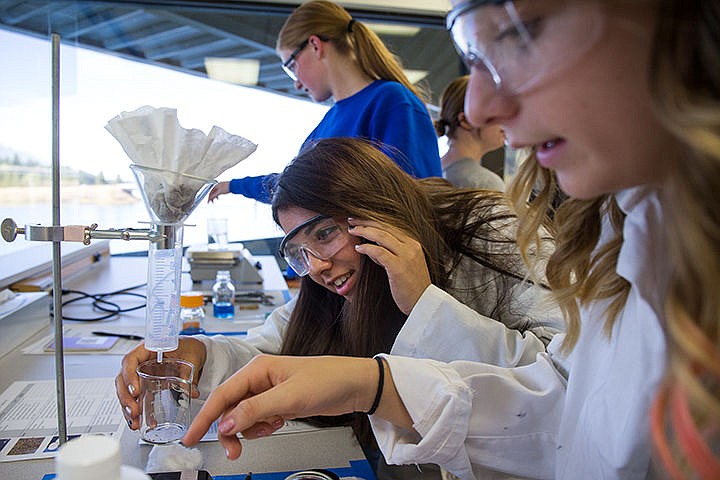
(381, 383)
(350, 24)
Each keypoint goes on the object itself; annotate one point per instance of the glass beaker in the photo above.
(165, 389)
(217, 233)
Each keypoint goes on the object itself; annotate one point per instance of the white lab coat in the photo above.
(471, 282)
(584, 416)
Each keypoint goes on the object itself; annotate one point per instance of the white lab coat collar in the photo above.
(643, 256)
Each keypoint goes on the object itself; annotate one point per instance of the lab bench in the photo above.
(324, 448)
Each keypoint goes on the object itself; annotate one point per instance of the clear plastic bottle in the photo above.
(223, 295)
(192, 313)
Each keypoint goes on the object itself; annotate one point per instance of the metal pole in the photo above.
(57, 254)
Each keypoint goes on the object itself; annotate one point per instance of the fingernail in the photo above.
(278, 423)
(227, 453)
(128, 410)
(263, 432)
(226, 425)
(131, 389)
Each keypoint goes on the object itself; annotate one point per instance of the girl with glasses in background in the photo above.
(378, 251)
(617, 103)
(329, 55)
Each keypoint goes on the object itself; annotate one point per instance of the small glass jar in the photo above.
(192, 313)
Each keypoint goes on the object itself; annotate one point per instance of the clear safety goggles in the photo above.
(290, 64)
(519, 44)
(321, 236)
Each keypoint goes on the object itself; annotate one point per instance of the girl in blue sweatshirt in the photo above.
(328, 54)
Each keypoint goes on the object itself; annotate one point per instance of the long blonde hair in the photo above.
(685, 82)
(333, 23)
(686, 86)
(576, 272)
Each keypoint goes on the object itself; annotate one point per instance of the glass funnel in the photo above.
(170, 197)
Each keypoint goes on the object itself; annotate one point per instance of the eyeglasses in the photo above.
(289, 65)
(520, 44)
(320, 237)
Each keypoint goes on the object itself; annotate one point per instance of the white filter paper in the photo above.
(153, 137)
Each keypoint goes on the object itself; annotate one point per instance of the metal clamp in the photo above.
(40, 233)
(74, 233)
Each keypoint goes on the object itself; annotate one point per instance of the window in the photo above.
(117, 56)
(97, 185)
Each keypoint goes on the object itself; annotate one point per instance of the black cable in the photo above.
(100, 302)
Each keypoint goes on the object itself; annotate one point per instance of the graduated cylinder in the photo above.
(162, 324)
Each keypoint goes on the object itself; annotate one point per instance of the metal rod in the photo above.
(57, 254)
(125, 234)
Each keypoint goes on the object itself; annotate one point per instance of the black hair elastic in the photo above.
(350, 24)
(381, 383)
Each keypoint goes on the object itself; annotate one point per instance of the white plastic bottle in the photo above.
(223, 295)
(91, 457)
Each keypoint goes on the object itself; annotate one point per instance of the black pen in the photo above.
(119, 335)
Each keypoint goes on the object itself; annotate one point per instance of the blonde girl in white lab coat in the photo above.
(618, 102)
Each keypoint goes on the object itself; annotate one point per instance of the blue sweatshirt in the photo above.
(384, 112)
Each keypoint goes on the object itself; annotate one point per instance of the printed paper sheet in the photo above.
(28, 415)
